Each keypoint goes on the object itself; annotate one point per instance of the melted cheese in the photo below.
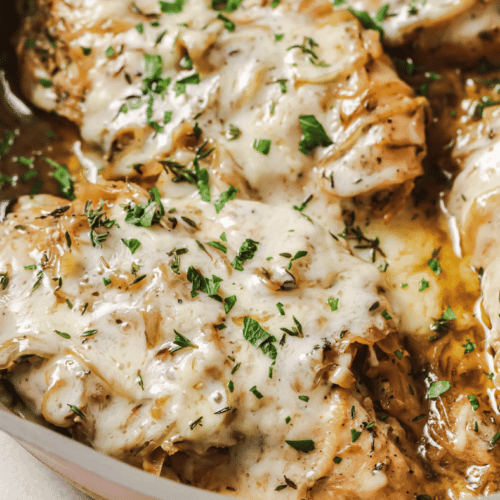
(276, 65)
(135, 391)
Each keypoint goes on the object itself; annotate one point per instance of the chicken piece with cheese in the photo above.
(292, 95)
(193, 338)
(460, 31)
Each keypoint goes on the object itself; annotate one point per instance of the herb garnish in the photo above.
(174, 7)
(76, 411)
(246, 252)
(314, 134)
(437, 389)
(97, 218)
(256, 393)
(442, 324)
(229, 194)
(146, 214)
(305, 445)
(259, 338)
(474, 402)
(181, 341)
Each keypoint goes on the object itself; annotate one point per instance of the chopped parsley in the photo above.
(474, 402)
(4, 280)
(180, 341)
(7, 142)
(433, 262)
(106, 281)
(437, 389)
(146, 214)
(333, 303)
(386, 315)
(110, 51)
(234, 132)
(398, 354)
(279, 305)
(218, 246)
(262, 146)
(174, 7)
(88, 333)
(371, 23)
(180, 85)
(355, 435)
(229, 194)
(246, 252)
(484, 102)
(468, 346)
(305, 445)
(424, 284)
(314, 134)
(259, 338)
(298, 255)
(495, 438)
(256, 393)
(132, 244)
(207, 285)
(63, 177)
(228, 24)
(304, 398)
(442, 324)
(45, 83)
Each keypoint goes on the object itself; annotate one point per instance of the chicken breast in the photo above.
(240, 348)
(294, 94)
(450, 31)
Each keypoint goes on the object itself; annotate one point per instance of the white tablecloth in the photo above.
(23, 477)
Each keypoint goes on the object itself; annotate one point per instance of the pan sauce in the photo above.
(434, 447)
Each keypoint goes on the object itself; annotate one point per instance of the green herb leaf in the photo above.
(367, 21)
(424, 284)
(132, 244)
(262, 146)
(229, 303)
(234, 132)
(110, 52)
(217, 245)
(246, 252)
(469, 346)
(146, 214)
(279, 305)
(305, 445)
(181, 341)
(174, 7)
(474, 402)
(355, 435)
(180, 85)
(437, 389)
(433, 262)
(46, 84)
(298, 255)
(256, 393)
(314, 134)
(226, 196)
(76, 411)
(386, 315)
(228, 24)
(63, 334)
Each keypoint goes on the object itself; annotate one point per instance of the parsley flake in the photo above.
(305, 445)
(314, 134)
(437, 389)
